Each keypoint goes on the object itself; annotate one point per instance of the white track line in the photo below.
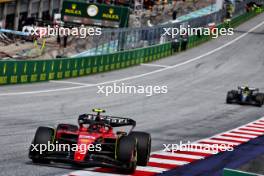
(196, 147)
(214, 141)
(257, 126)
(259, 123)
(151, 169)
(253, 129)
(68, 82)
(141, 75)
(248, 132)
(180, 155)
(91, 173)
(156, 65)
(237, 130)
(167, 161)
(231, 138)
(241, 135)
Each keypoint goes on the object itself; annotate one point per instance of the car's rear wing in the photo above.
(111, 120)
(250, 88)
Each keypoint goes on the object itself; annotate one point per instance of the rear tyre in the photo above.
(43, 136)
(260, 99)
(127, 153)
(143, 147)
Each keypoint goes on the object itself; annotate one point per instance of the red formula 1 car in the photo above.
(93, 143)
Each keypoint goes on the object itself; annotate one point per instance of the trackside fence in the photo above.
(14, 72)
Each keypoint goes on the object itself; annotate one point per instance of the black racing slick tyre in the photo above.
(126, 152)
(143, 147)
(260, 99)
(43, 136)
(231, 96)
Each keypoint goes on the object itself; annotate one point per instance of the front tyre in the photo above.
(43, 136)
(231, 96)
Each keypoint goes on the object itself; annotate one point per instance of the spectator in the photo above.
(174, 14)
(65, 38)
(175, 45)
(184, 42)
(58, 39)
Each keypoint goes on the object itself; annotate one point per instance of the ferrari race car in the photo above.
(93, 143)
(245, 95)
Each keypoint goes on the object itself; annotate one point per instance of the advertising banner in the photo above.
(103, 15)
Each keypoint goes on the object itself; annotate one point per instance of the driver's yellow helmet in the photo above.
(246, 90)
(98, 110)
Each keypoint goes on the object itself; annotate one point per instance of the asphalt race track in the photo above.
(193, 108)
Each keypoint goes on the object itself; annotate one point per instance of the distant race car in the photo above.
(245, 95)
(103, 146)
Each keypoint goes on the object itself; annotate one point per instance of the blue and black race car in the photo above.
(245, 95)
